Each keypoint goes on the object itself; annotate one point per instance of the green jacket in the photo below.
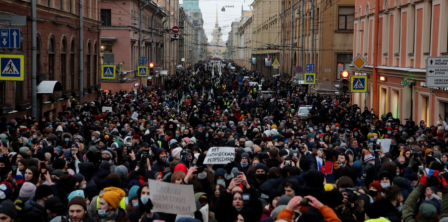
(410, 204)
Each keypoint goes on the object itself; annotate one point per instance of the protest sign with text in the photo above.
(220, 155)
(172, 198)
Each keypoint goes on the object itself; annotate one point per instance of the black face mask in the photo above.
(373, 193)
(261, 176)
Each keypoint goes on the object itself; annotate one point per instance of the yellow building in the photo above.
(216, 47)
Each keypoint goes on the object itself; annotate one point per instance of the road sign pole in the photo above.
(34, 107)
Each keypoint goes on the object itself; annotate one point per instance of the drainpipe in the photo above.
(375, 58)
(81, 51)
(140, 40)
(283, 37)
(33, 60)
(301, 36)
(292, 39)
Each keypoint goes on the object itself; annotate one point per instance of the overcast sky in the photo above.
(208, 9)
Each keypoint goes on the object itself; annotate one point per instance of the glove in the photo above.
(423, 180)
(443, 183)
(148, 206)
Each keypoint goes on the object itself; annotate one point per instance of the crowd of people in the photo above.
(92, 162)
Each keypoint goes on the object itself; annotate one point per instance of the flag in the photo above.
(430, 172)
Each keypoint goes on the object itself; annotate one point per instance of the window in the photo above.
(61, 4)
(88, 65)
(106, 17)
(343, 63)
(346, 17)
(64, 65)
(70, 6)
(72, 65)
(51, 59)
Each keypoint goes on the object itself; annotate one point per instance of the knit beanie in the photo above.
(113, 180)
(133, 193)
(376, 185)
(428, 211)
(43, 191)
(113, 196)
(28, 190)
(78, 201)
(7, 207)
(6, 190)
(76, 193)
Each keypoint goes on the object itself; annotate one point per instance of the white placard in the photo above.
(172, 198)
(385, 143)
(220, 155)
(107, 108)
(134, 115)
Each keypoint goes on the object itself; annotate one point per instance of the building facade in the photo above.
(244, 46)
(194, 14)
(57, 56)
(120, 37)
(170, 49)
(333, 34)
(187, 40)
(409, 32)
(266, 35)
(231, 40)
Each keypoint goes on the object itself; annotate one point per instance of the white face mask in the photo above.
(83, 187)
(144, 199)
(183, 144)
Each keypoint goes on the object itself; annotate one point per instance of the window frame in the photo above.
(346, 16)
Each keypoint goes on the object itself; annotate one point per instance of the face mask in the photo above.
(399, 208)
(129, 134)
(356, 134)
(340, 164)
(372, 139)
(389, 132)
(183, 144)
(221, 182)
(34, 136)
(373, 193)
(213, 126)
(401, 129)
(373, 129)
(371, 151)
(163, 159)
(41, 146)
(398, 174)
(385, 185)
(202, 175)
(261, 176)
(144, 199)
(206, 136)
(83, 187)
(93, 138)
(375, 137)
(243, 164)
(77, 118)
(102, 212)
(135, 204)
(190, 158)
(195, 115)
(67, 139)
(337, 128)
(294, 123)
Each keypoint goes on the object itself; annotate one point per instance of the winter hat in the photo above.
(332, 197)
(59, 163)
(78, 201)
(357, 166)
(57, 172)
(173, 141)
(5, 190)
(428, 211)
(284, 200)
(277, 211)
(76, 193)
(193, 139)
(180, 167)
(437, 154)
(79, 178)
(24, 149)
(246, 155)
(54, 205)
(376, 185)
(248, 144)
(113, 180)
(108, 152)
(368, 158)
(133, 193)
(43, 191)
(176, 152)
(7, 207)
(96, 134)
(28, 190)
(113, 196)
(261, 166)
(136, 137)
(314, 179)
(122, 171)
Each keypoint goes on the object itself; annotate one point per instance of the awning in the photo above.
(49, 87)
(108, 39)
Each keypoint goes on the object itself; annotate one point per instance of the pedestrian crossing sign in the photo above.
(358, 84)
(142, 71)
(310, 78)
(12, 67)
(276, 63)
(108, 72)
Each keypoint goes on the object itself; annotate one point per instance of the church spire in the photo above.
(216, 23)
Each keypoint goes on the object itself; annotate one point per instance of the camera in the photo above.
(69, 160)
(352, 197)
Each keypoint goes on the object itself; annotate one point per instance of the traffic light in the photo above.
(151, 68)
(344, 83)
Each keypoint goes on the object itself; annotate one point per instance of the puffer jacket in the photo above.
(32, 205)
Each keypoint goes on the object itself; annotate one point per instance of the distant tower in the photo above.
(216, 23)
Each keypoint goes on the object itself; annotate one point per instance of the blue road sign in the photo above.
(108, 72)
(12, 67)
(299, 69)
(10, 38)
(358, 84)
(143, 60)
(142, 71)
(310, 78)
(310, 67)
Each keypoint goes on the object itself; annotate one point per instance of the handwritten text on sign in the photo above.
(172, 198)
(220, 155)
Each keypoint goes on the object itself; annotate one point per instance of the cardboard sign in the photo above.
(107, 108)
(134, 115)
(385, 144)
(220, 155)
(172, 198)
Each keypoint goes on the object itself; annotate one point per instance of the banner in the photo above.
(172, 198)
(107, 108)
(220, 155)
